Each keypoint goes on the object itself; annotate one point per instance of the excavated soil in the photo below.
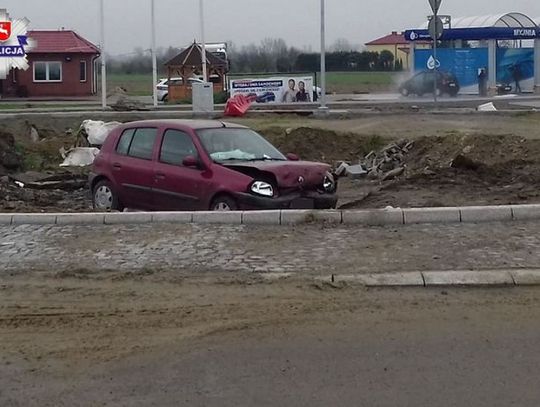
(456, 166)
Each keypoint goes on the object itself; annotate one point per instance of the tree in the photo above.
(386, 59)
(342, 45)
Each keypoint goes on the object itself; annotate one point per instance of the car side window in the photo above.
(176, 146)
(142, 144)
(125, 141)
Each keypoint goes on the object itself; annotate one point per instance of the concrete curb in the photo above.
(481, 278)
(375, 217)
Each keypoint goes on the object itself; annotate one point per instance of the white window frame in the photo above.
(83, 61)
(13, 75)
(47, 63)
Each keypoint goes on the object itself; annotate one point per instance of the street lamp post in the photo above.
(103, 62)
(203, 42)
(154, 56)
(323, 57)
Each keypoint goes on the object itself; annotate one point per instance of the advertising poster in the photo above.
(290, 89)
(515, 66)
(464, 63)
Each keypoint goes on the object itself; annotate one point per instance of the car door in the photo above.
(177, 187)
(132, 167)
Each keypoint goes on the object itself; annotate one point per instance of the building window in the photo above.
(47, 71)
(82, 71)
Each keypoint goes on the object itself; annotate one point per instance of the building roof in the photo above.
(192, 56)
(64, 41)
(512, 20)
(394, 38)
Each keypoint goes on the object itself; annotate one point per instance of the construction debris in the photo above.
(79, 156)
(94, 132)
(384, 165)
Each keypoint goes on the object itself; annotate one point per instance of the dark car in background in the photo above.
(422, 83)
(174, 165)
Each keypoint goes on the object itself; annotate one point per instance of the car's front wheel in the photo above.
(105, 198)
(223, 203)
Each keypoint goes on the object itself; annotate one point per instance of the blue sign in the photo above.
(471, 34)
(516, 64)
(14, 51)
(464, 63)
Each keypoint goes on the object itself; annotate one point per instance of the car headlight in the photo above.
(262, 188)
(329, 183)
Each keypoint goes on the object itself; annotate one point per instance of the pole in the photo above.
(323, 57)
(435, 62)
(203, 43)
(103, 61)
(154, 56)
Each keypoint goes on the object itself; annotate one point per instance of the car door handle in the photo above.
(117, 166)
(160, 175)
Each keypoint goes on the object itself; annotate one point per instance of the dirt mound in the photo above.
(10, 160)
(322, 145)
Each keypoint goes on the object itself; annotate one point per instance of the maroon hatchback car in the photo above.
(172, 165)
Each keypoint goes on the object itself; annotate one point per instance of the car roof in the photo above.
(194, 124)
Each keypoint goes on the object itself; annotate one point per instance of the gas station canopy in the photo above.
(509, 26)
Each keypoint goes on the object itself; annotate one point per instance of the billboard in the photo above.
(464, 63)
(510, 60)
(289, 89)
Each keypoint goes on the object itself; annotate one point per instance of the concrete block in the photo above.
(467, 278)
(525, 277)
(128, 218)
(378, 217)
(5, 218)
(220, 218)
(526, 212)
(261, 218)
(172, 217)
(408, 279)
(431, 215)
(356, 171)
(34, 219)
(486, 213)
(295, 217)
(80, 219)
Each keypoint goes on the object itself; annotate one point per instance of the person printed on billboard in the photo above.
(516, 76)
(482, 82)
(302, 95)
(289, 96)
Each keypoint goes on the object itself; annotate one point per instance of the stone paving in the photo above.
(313, 249)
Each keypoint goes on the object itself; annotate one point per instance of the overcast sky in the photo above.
(245, 21)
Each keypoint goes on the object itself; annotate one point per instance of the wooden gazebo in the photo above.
(188, 64)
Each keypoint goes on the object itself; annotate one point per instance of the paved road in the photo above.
(306, 249)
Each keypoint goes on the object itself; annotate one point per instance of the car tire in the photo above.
(404, 92)
(105, 198)
(223, 203)
(165, 98)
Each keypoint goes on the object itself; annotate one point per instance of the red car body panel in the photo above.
(153, 185)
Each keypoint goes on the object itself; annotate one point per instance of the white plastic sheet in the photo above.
(97, 131)
(80, 157)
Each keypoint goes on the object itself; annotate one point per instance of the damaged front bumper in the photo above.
(299, 200)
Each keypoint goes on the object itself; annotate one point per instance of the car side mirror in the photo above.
(292, 157)
(191, 162)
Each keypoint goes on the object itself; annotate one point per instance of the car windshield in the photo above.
(227, 144)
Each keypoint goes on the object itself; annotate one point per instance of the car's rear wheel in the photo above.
(223, 203)
(105, 198)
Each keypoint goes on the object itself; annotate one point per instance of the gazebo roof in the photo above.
(192, 56)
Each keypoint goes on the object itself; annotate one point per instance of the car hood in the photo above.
(288, 174)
